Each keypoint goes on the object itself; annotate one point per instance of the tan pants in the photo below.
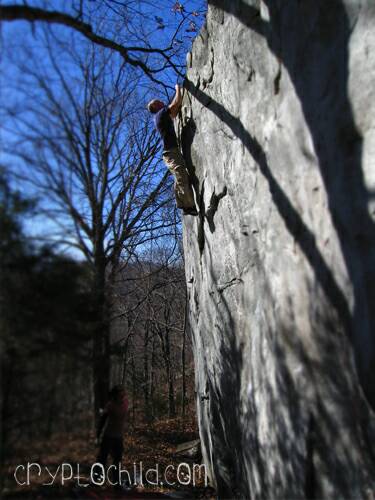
(182, 188)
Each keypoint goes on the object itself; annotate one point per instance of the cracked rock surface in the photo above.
(278, 131)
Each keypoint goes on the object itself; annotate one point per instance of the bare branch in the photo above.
(27, 13)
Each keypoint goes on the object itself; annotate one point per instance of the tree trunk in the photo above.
(171, 400)
(134, 391)
(146, 375)
(152, 378)
(101, 351)
(124, 361)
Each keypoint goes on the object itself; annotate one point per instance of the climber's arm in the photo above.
(175, 105)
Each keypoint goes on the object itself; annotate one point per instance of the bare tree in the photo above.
(154, 292)
(86, 148)
(90, 153)
(124, 27)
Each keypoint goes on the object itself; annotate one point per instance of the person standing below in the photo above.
(112, 421)
(163, 117)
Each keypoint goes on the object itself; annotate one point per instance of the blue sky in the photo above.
(159, 25)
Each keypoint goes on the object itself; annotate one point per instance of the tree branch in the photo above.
(31, 14)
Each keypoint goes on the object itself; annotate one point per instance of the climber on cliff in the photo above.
(172, 156)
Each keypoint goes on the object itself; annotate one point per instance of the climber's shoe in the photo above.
(190, 211)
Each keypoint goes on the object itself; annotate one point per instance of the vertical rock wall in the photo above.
(278, 131)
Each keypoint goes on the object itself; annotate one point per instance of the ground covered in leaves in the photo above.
(147, 447)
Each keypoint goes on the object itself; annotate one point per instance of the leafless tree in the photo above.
(153, 294)
(89, 151)
(86, 148)
(124, 27)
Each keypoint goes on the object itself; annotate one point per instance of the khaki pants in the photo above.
(182, 188)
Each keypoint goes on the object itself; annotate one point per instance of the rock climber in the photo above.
(112, 421)
(163, 116)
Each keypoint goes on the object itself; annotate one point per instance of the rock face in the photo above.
(278, 130)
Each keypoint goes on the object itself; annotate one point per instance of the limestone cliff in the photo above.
(278, 130)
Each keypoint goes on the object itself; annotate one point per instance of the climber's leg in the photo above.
(182, 187)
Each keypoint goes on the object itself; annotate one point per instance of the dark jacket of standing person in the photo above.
(111, 428)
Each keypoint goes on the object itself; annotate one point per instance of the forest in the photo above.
(93, 289)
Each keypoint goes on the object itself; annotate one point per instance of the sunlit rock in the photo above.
(278, 132)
